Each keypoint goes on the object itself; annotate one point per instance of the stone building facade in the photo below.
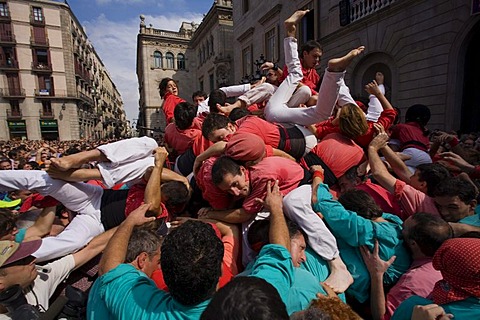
(427, 49)
(161, 54)
(197, 57)
(212, 44)
(53, 85)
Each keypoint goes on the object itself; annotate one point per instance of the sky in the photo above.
(112, 27)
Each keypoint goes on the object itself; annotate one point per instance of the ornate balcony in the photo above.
(362, 8)
(10, 65)
(44, 114)
(39, 42)
(7, 39)
(41, 67)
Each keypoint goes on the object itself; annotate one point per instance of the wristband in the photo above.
(318, 174)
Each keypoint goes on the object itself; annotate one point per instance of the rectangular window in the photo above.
(40, 58)
(15, 108)
(201, 85)
(39, 35)
(47, 108)
(13, 84)
(246, 6)
(37, 14)
(247, 61)
(307, 29)
(271, 44)
(3, 9)
(45, 85)
(6, 32)
(211, 82)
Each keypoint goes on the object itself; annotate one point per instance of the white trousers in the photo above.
(80, 197)
(298, 208)
(128, 160)
(277, 109)
(374, 106)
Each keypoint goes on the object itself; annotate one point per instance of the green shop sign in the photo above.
(16, 124)
(48, 123)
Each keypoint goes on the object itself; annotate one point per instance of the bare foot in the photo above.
(340, 279)
(340, 64)
(62, 164)
(226, 109)
(291, 23)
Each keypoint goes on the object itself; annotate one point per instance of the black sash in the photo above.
(112, 207)
(312, 159)
(292, 140)
(185, 162)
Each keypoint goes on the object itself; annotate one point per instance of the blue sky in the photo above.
(112, 27)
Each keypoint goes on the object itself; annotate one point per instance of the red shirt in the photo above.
(410, 131)
(386, 119)
(180, 140)
(385, 200)
(310, 78)
(217, 198)
(287, 172)
(267, 131)
(336, 146)
(170, 101)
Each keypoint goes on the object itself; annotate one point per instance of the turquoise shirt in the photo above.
(127, 293)
(352, 231)
(306, 279)
(472, 220)
(463, 309)
(20, 236)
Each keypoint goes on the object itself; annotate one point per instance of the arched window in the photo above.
(169, 59)
(181, 61)
(157, 60)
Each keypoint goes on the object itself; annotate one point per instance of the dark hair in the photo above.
(222, 166)
(258, 233)
(191, 262)
(34, 165)
(216, 96)
(238, 113)
(433, 174)
(420, 114)
(163, 86)
(199, 93)
(246, 298)
(212, 122)
(360, 202)
(309, 46)
(456, 187)
(429, 232)
(175, 193)
(7, 222)
(4, 160)
(352, 174)
(184, 113)
(142, 240)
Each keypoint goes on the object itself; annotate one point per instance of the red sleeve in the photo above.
(157, 277)
(268, 150)
(284, 75)
(387, 117)
(476, 173)
(169, 104)
(324, 128)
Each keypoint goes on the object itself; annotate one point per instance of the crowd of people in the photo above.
(296, 201)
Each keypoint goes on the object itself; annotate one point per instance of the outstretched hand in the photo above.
(274, 198)
(161, 155)
(380, 141)
(372, 260)
(137, 216)
(372, 88)
(456, 160)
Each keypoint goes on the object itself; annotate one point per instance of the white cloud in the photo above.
(116, 42)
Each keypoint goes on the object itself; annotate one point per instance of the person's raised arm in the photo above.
(278, 232)
(238, 215)
(116, 249)
(377, 268)
(379, 171)
(153, 193)
(372, 88)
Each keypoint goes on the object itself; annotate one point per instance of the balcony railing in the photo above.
(39, 42)
(44, 114)
(12, 93)
(14, 114)
(7, 38)
(41, 67)
(362, 8)
(10, 64)
(85, 98)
